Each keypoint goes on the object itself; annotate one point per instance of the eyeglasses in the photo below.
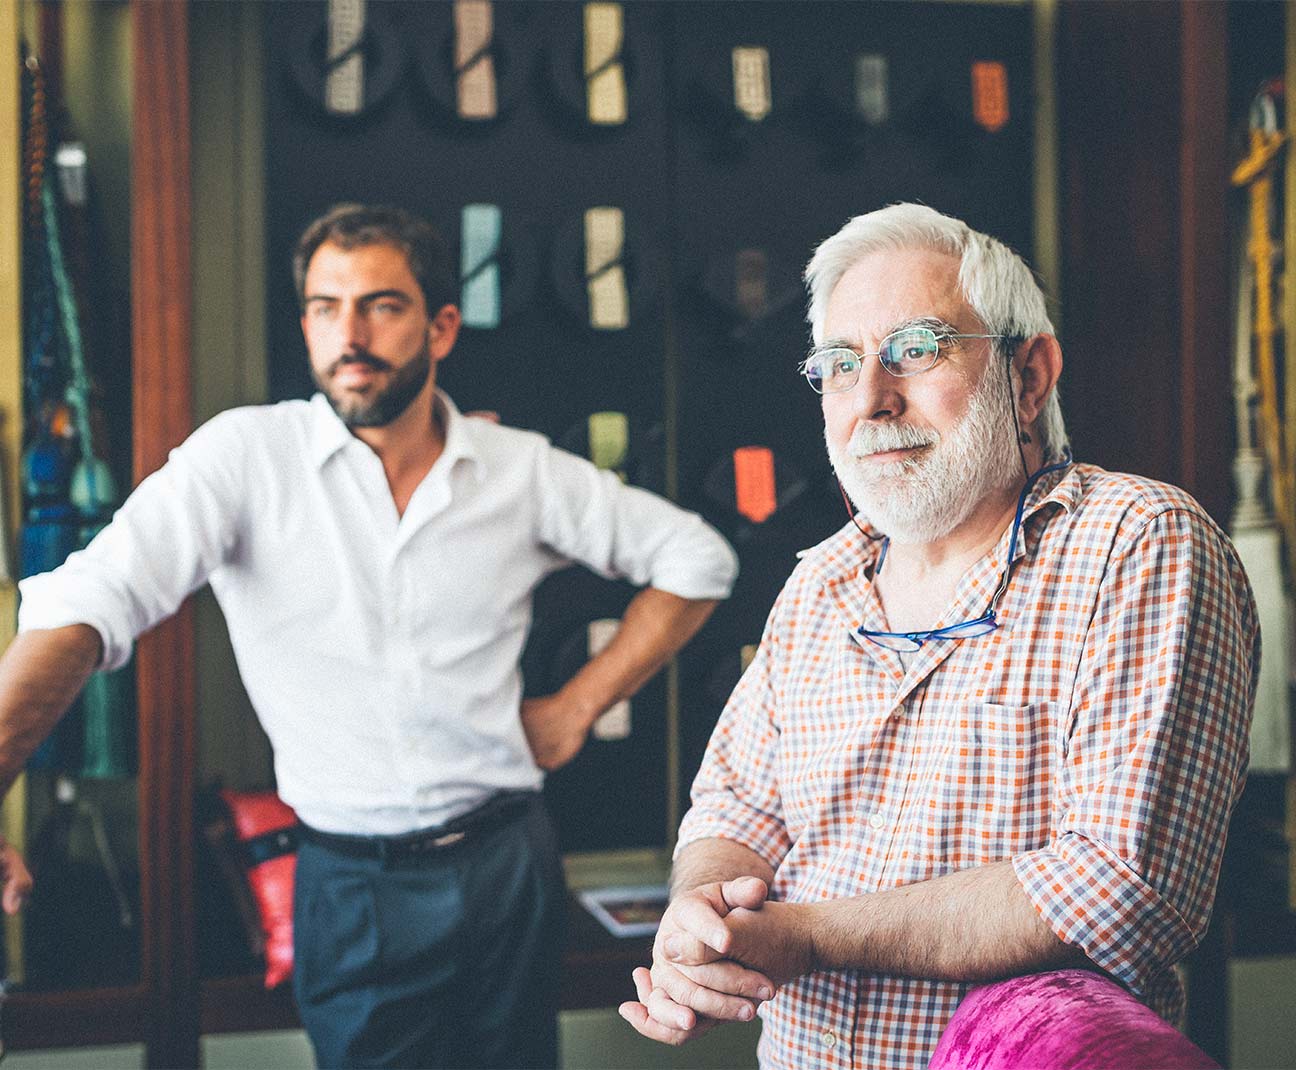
(908, 642)
(910, 351)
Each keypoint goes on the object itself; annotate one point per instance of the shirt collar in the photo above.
(329, 434)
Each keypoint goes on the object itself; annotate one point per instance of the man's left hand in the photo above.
(555, 731)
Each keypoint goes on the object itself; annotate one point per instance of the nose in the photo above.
(878, 395)
(355, 328)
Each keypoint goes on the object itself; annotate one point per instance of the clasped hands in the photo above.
(721, 949)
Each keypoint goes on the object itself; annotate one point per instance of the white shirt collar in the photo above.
(329, 434)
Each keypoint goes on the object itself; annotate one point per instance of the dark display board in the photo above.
(867, 104)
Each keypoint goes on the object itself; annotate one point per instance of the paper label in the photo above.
(751, 78)
(474, 65)
(754, 483)
(344, 84)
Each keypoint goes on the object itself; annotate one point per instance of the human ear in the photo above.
(443, 330)
(1038, 364)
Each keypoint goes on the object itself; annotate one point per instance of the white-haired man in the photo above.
(995, 725)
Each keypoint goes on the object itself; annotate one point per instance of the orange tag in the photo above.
(754, 482)
(990, 95)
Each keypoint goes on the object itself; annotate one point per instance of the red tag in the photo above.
(754, 482)
(990, 95)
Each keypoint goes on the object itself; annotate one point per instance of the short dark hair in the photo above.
(350, 226)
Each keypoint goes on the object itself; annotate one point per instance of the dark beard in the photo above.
(391, 401)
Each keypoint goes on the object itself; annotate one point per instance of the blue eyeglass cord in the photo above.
(1066, 460)
(990, 615)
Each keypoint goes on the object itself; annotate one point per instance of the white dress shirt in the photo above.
(380, 651)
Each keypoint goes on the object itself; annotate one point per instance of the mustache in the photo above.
(870, 439)
(359, 357)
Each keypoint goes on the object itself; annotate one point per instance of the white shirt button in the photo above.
(877, 821)
(829, 1038)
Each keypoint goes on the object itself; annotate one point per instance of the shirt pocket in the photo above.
(995, 784)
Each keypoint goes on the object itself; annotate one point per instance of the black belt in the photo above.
(499, 809)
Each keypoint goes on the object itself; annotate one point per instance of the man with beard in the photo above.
(375, 553)
(995, 725)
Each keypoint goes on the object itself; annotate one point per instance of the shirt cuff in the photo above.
(707, 571)
(1093, 900)
(40, 607)
(744, 825)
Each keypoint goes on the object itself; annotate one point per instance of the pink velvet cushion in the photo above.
(1065, 1020)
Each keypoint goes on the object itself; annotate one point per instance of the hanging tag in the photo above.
(609, 437)
(751, 79)
(615, 723)
(604, 74)
(479, 265)
(609, 303)
(990, 95)
(751, 282)
(747, 655)
(344, 85)
(474, 65)
(754, 492)
(871, 88)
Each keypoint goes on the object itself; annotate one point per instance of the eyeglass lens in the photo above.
(907, 352)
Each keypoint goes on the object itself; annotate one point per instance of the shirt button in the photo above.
(829, 1038)
(877, 821)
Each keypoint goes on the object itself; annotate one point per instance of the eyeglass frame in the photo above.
(937, 337)
(987, 622)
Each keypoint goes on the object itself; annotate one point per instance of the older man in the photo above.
(995, 725)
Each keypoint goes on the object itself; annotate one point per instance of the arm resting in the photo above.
(41, 674)
(973, 925)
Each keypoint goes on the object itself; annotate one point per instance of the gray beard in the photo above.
(923, 498)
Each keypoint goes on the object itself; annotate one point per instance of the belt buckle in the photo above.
(391, 852)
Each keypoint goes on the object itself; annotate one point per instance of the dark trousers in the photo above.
(449, 956)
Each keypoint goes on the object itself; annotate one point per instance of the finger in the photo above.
(749, 892)
(680, 947)
(676, 987)
(643, 983)
(698, 933)
(666, 1010)
(17, 884)
(637, 1015)
(731, 978)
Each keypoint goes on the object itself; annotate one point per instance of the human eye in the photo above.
(321, 310)
(843, 363)
(910, 350)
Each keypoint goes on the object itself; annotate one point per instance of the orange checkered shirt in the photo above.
(1098, 739)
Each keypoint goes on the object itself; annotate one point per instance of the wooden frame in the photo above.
(161, 315)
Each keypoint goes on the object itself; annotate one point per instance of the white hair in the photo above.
(995, 281)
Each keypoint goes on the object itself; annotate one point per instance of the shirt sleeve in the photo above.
(589, 515)
(176, 527)
(1155, 752)
(736, 795)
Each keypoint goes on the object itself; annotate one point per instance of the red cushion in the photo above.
(1064, 1020)
(257, 816)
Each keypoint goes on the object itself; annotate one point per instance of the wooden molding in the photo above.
(161, 324)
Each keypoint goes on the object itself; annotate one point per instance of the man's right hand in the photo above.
(692, 984)
(17, 879)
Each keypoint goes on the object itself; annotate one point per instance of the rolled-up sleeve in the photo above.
(623, 532)
(177, 526)
(1155, 752)
(736, 795)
